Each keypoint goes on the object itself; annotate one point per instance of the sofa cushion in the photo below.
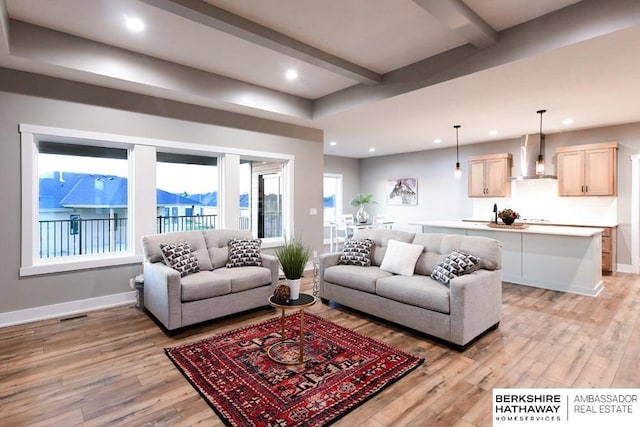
(455, 264)
(419, 291)
(152, 252)
(400, 257)
(244, 253)
(488, 250)
(245, 278)
(217, 244)
(356, 252)
(355, 277)
(204, 284)
(179, 257)
(380, 238)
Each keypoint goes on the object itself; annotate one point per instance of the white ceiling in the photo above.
(581, 62)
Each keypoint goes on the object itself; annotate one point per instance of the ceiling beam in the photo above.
(237, 26)
(567, 26)
(98, 63)
(462, 19)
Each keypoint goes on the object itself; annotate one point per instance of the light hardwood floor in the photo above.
(109, 368)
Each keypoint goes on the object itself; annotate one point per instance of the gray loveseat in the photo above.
(214, 291)
(458, 313)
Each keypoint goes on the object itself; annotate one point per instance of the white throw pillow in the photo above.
(400, 257)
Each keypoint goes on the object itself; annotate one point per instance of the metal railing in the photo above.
(272, 225)
(168, 224)
(77, 236)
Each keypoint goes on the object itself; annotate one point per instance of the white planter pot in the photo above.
(294, 287)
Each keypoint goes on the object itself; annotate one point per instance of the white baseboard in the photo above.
(65, 309)
(624, 268)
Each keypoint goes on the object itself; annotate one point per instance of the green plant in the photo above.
(361, 200)
(293, 257)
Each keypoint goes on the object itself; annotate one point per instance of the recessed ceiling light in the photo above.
(134, 24)
(437, 141)
(291, 74)
(567, 121)
(333, 143)
(371, 150)
(493, 132)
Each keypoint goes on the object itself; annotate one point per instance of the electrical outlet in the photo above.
(313, 211)
(315, 254)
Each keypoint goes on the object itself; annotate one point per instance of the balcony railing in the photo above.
(79, 236)
(168, 224)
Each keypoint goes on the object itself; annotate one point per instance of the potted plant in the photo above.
(293, 257)
(360, 201)
(508, 216)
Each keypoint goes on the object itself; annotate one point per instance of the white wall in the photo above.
(527, 196)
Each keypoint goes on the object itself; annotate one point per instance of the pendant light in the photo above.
(540, 161)
(458, 172)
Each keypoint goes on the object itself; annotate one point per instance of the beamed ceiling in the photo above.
(393, 75)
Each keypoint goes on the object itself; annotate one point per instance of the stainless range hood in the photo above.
(530, 146)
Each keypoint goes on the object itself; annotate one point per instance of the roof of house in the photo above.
(81, 190)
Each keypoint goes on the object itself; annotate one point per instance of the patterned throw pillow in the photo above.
(356, 252)
(179, 257)
(244, 252)
(455, 264)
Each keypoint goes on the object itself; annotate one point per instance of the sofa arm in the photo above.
(325, 261)
(271, 262)
(162, 293)
(475, 305)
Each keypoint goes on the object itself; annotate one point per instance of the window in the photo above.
(187, 192)
(83, 200)
(88, 197)
(332, 197)
(262, 208)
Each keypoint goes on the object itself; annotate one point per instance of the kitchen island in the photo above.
(566, 259)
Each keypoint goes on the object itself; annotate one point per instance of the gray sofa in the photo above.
(215, 291)
(458, 313)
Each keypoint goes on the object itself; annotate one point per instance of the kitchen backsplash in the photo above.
(538, 199)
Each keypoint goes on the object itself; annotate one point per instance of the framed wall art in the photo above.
(402, 191)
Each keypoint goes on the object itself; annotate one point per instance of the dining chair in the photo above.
(344, 228)
(382, 221)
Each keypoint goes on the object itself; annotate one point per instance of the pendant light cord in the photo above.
(457, 156)
(541, 112)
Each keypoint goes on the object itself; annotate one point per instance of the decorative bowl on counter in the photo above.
(508, 216)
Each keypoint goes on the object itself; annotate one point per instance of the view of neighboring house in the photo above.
(84, 213)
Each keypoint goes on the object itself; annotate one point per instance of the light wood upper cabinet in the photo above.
(489, 175)
(587, 170)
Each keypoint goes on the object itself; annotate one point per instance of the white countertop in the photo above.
(532, 229)
(573, 223)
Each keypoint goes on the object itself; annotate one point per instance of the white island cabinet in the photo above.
(567, 259)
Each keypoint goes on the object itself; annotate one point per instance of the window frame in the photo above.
(181, 158)
(140, 152)
(339, 190)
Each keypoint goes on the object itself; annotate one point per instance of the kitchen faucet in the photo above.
(495, 213)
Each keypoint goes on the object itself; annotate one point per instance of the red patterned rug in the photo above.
(234, 374)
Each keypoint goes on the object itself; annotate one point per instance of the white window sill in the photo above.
(272, 242)
(79, 263)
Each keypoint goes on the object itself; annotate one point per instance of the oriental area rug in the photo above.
(238, 379)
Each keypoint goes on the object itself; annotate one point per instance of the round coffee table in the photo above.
(304, 301)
